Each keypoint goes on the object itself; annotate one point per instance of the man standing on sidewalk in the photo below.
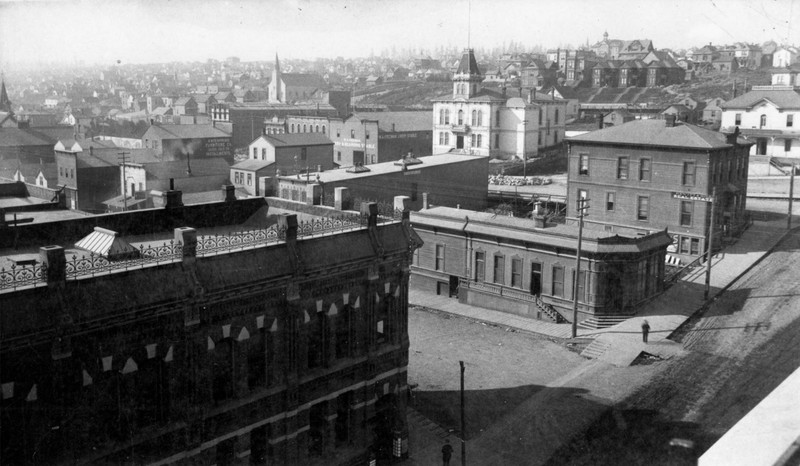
(447, 452)
(645, 330)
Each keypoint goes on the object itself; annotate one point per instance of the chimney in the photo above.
(731, 138)
(228, 192)
(539, 221)
(424, 201)
(670, 121)
(600, 122)
(91, 150)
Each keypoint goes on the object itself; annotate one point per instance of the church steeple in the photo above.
(467, 77)
(275, 87)
(5, 103)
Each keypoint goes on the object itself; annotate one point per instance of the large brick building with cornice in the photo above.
(285, 342)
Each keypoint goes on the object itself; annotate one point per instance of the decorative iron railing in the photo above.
(211, 244)
(91, 264)
(18, 276)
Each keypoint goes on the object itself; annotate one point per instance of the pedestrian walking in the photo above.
(447, 452)
(645, 330)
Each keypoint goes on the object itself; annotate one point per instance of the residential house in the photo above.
(712, 113)
(527, 267)
(768, 119)
(648, 175)
(617, 117)
(538, 74)
(185, 106)
(251, 176)
(785, 56)
(204, 102)
(787, 76)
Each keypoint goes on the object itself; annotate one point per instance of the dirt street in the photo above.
(739, 350)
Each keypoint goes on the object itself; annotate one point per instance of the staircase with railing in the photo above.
(499, 290)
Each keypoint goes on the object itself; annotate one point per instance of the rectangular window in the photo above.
(738, 120)
(622, 168)
(789, 120)
(249, 179)
(583, 164)
(303, 154)
(263, 154)
(695, 247)
(480, 266)
(339, 156)
(558, 281)
(688, 173)
(642, 208)
(582, 195)
(366, 131)
(787, 145)
(440, 257)
(687, 209)
(516, 273)
(496, 141)
(338, 133)
(610, 198)
(353, 133)
(644, 169)
(499, 270)
(581, 285)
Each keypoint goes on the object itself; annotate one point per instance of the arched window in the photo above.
(304, 128)
(446, 139)
(474, 117)
(556, 118)
(441, 138)
(480, 118)
(291, 129)
(316, 130)
(763, 120)
(480, 141)
(460, 117)
(323, 129)
(441, 116)
(497, 117)
(447, 116)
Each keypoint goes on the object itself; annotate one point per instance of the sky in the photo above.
(155, 31)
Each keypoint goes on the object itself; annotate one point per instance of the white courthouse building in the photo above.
(500, 124)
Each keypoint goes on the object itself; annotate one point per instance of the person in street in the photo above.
(447, 452)
(645, 330)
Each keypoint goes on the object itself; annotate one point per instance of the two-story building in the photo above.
(293, 153)
(177, 142)
(648, 175)
(769, 117)
(485, 122)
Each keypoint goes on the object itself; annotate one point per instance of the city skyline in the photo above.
(149, 31)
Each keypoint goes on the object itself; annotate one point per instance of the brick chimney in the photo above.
(228, 192)
(670, 121)
(731, 138)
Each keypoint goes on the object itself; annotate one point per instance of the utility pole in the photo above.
(710, 243)
(791, 199)
(123, 158)
(463, 422)
(524, 146)
(581, 212)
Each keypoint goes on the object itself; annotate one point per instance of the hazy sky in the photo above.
(148, 31)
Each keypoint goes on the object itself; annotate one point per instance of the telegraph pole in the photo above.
(791, 199)
(123, 158)
(524, 146)
(463, 422)
(581, 212)
(710, 243)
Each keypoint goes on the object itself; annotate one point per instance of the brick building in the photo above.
(174, 354)
(446, 179)
(527, 267)
(177, 142)
(647, 175)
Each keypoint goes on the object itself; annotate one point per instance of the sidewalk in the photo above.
(621, 344)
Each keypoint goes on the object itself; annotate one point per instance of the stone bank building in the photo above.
(279, 342)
